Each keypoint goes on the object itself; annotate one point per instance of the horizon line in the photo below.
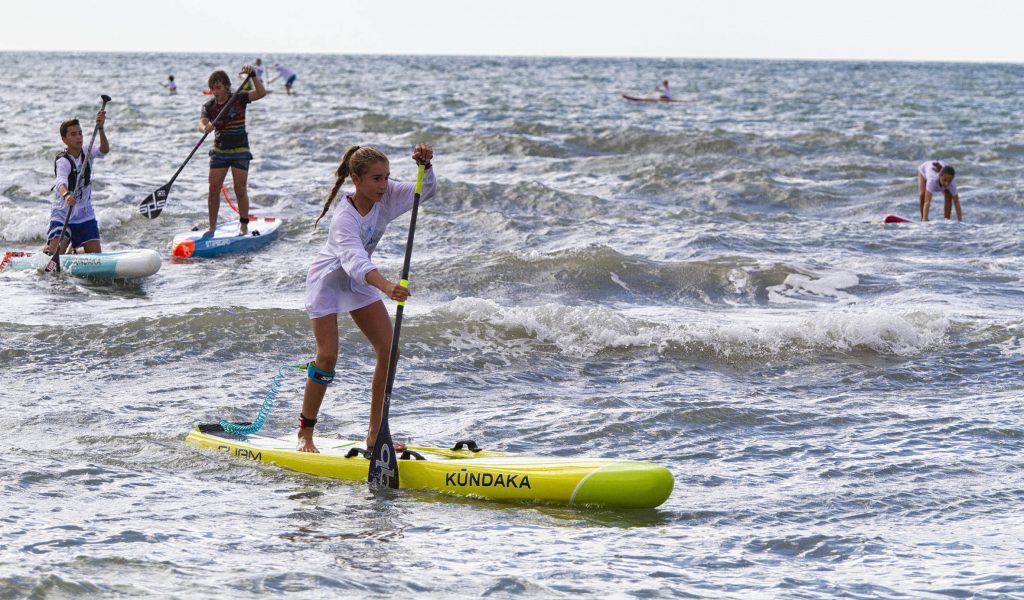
(545, 56)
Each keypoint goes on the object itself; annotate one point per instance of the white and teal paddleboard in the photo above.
(225, 239)
(122, 264)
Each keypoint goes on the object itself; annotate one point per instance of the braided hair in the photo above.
(943, 170)
(357, 160)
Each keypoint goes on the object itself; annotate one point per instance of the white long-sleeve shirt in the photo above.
(82, 211)
(283, 72)
(336, 281)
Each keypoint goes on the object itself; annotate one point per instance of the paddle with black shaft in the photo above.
(54, 264)
(383, 462)
(155, 202)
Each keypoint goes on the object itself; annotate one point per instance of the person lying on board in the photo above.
(342, 277)
(230, 144)
(934, 177)
(83, 227)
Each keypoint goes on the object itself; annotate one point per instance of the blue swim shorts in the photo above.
(80, 232)
(221, 161)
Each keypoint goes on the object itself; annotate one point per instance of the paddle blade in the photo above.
(54, 264)
(155, 202)
(383, 462)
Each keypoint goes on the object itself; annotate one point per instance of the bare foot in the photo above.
(306, 441)
(243, 229)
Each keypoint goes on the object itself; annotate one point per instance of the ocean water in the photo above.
(704, 285)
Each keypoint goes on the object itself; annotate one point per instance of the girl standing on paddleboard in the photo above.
(342, 277)
(934, 177)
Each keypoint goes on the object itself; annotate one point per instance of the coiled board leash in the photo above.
(268, 404)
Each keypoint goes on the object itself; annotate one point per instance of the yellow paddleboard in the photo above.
(484, 474)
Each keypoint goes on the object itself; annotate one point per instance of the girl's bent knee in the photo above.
(326, 362)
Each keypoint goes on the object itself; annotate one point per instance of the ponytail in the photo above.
(339, 178)
(356, 160)
(936, 166)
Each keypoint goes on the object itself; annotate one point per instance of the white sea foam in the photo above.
(580, 330)
(23, 224)
(799, 287)
(28, 224)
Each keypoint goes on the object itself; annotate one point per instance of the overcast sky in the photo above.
(938, 30)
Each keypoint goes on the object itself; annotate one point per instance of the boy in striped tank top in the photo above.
(230, 144)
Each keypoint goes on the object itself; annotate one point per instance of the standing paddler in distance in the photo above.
(231, 143)
(285, 72)
(257, 74)
(343, 278)
(72, 205)
(172, 88)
